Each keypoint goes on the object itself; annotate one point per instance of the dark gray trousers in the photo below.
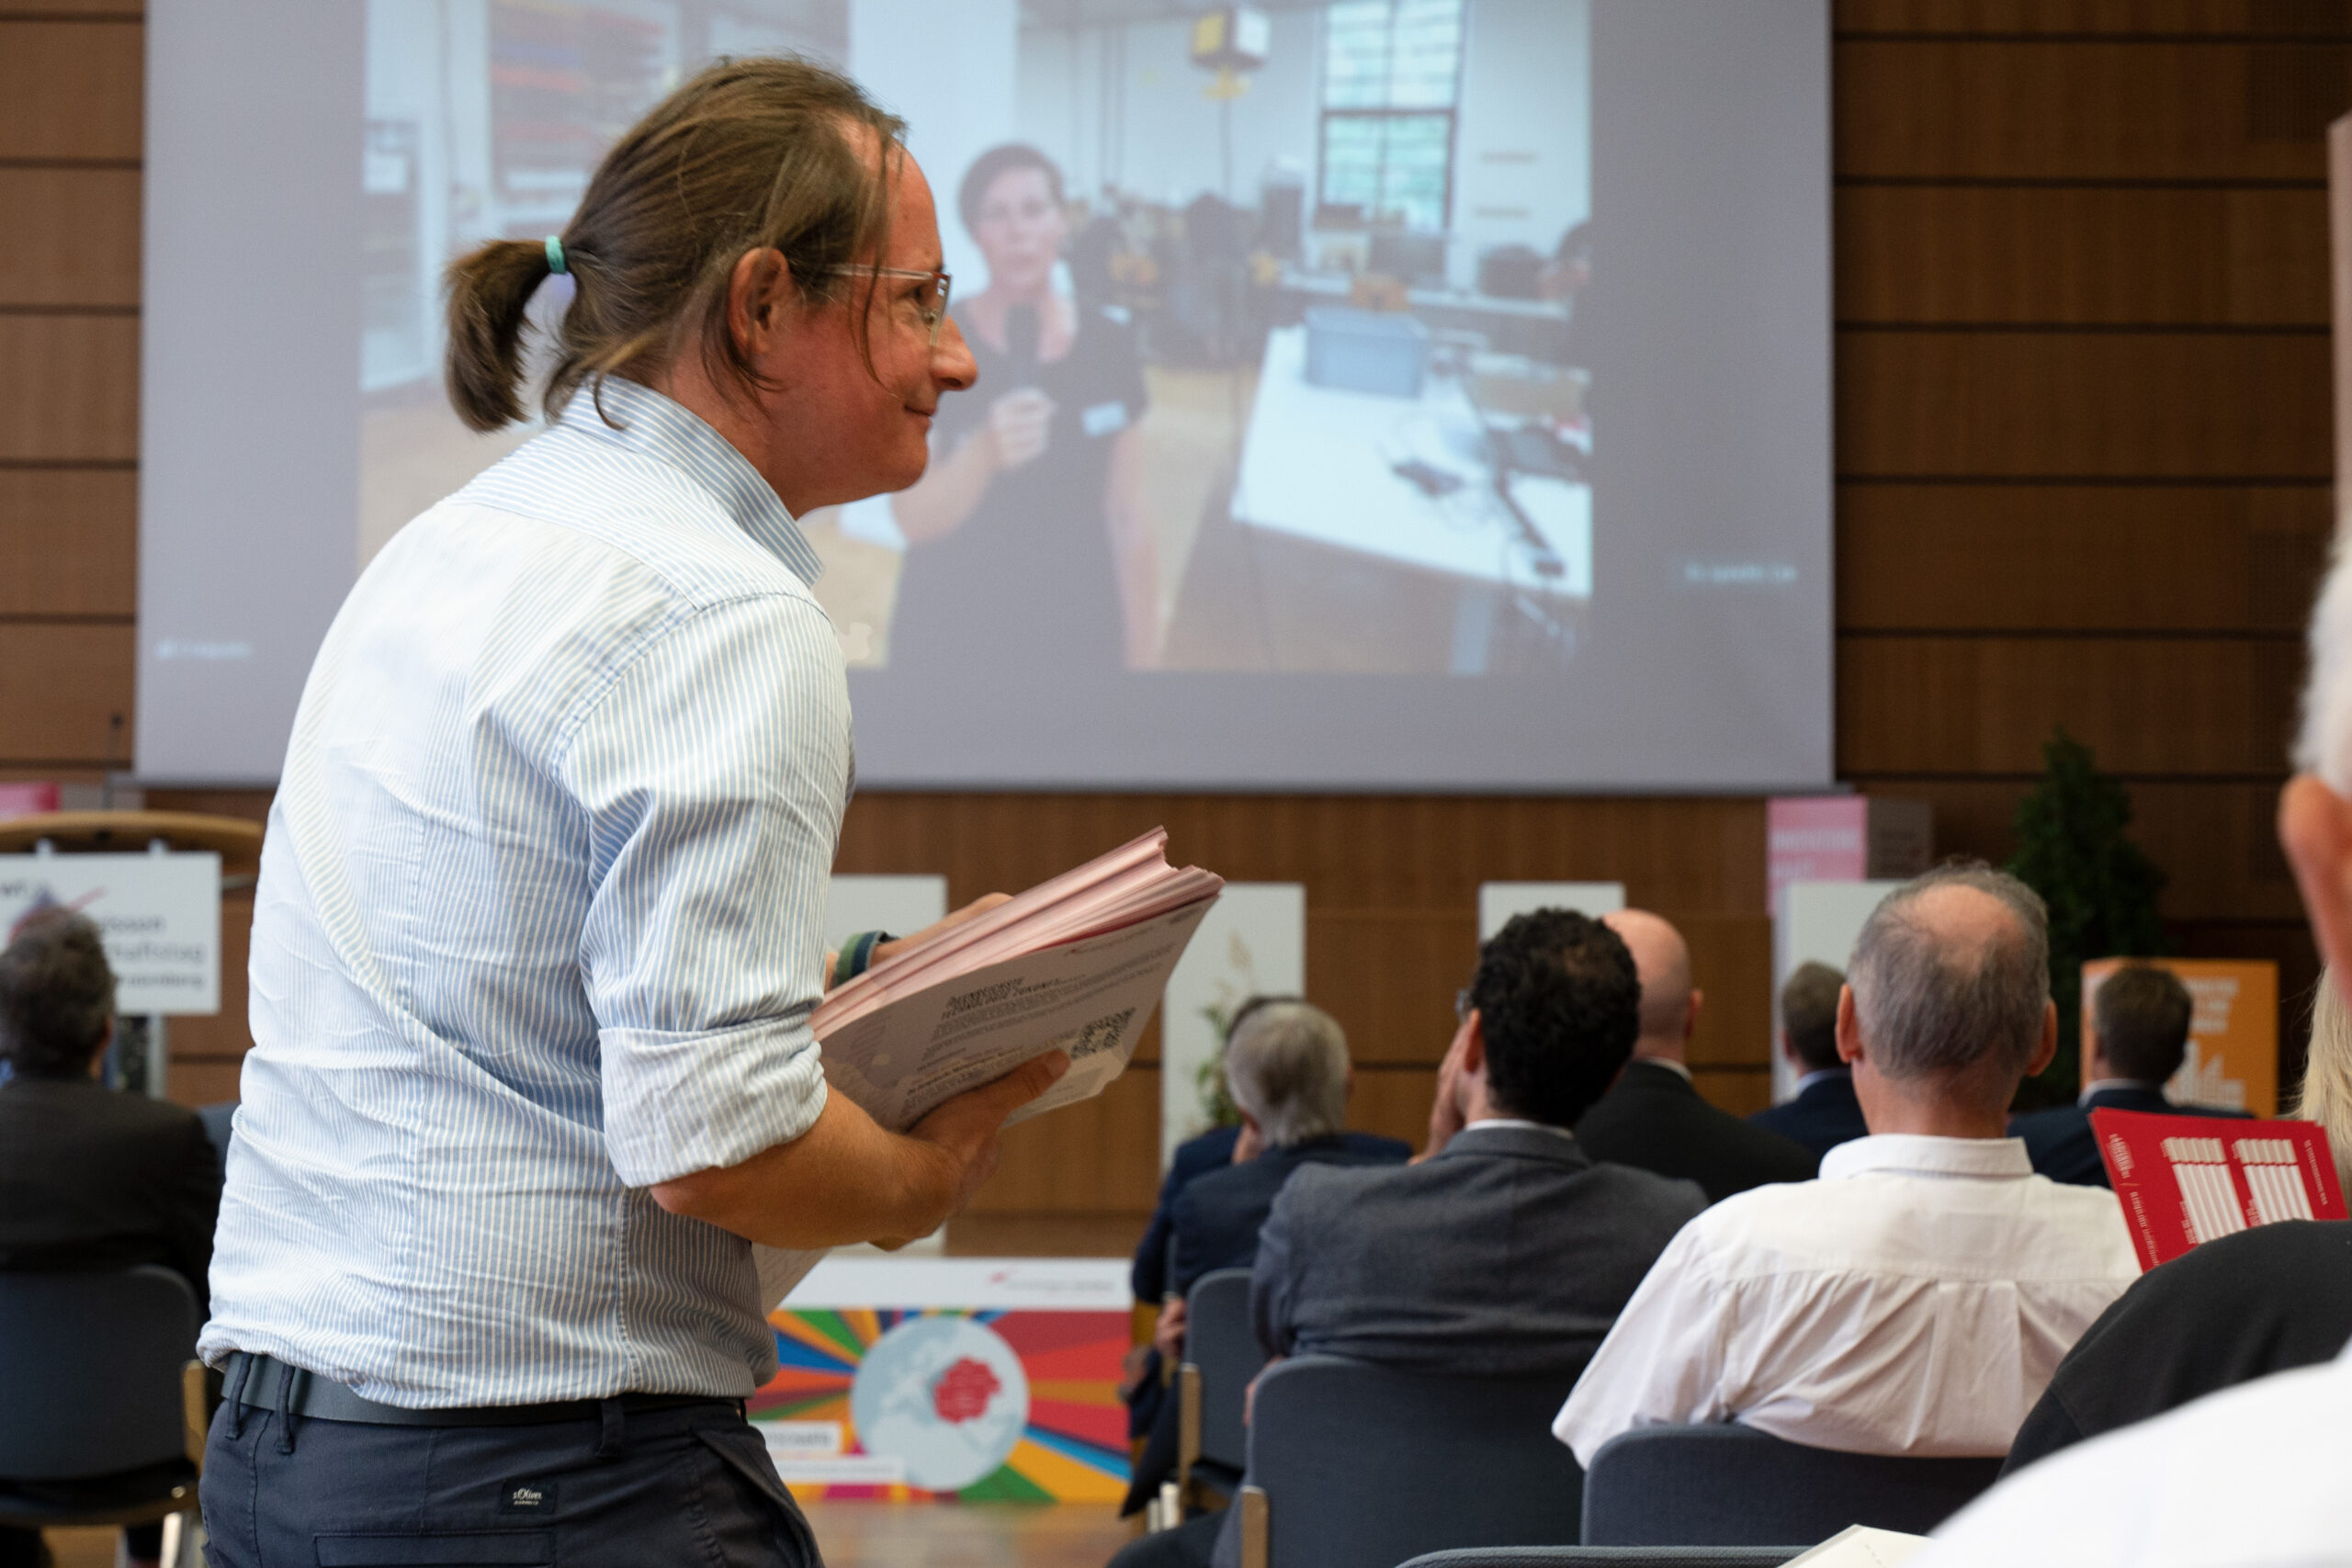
(683, 1486)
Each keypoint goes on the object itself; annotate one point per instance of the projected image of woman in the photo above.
(1026, 548)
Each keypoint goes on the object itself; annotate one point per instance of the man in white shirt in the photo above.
(2253, 1474)
(1915, 1299)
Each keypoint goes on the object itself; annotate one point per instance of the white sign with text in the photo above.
(160, 916)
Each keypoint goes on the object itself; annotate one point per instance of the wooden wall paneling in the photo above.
(1731, 962)
(60, 686)
(1743, 1091)
(111, 10)
(1985, 404)
(1938, 108)
(1951, 706)
(70, 539)
(2048, 557)
(1352, 851)
(2008, 254)
(1098, 1156)
(1393, 1101)
(70, 89)
(74, 236)
(2058, 18)
(2214, 841)
(70, 391)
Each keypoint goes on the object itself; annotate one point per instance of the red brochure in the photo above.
(2186, 1180)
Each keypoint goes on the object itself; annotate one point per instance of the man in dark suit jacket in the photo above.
(1824, 1114)
(1504, 1250)
(90, 1179)
(1654, 1119)
(2140, 1018)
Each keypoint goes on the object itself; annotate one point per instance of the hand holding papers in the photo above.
(1074, 964)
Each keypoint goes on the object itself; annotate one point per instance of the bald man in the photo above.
(1654, 1119)
(1915, 1299)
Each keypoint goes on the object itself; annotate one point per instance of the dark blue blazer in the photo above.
(1824, 1116)
(2058, 1140)
(1212, 1150)
(1219, 1217)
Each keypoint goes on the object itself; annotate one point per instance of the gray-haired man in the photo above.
(1915, 1299)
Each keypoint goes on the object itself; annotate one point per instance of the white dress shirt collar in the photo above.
(1822, 1075)
(1668, 1062)
(1914, 1153)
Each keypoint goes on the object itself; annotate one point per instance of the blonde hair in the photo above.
(2327, 1094)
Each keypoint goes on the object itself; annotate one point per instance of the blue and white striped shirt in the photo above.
(539, 926)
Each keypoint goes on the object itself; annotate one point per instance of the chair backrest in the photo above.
(1732, 1485)
(1219, 1340)
(1611, 1557)
(1364, 1467)
(91, 1363)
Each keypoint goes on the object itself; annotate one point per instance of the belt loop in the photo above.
(615, 1427)
(289, 1396)
(232, 1392)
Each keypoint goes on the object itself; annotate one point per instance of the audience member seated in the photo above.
(1504, 1250)
(2263, 1301)
(1655, 1118)
(1286, 1069)
(1915, 1299)
(1823, 1113)
(89, 1178)
(2139, 1036)
(1214, 1150)
(2253, 1474)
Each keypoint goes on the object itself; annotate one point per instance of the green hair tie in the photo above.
(555, 255)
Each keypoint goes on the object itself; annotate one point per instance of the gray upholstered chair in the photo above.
(1353, 1466)
(106, 1416)
(1221, 1355)
(1732, 1485)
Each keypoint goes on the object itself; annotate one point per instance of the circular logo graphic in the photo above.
(943, 1395)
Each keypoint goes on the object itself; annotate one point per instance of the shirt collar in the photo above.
(1913, 1154)
(1668, 1062)
(656, 426)
(2103, 1086)
(1822, 1075)
(1519, 1121)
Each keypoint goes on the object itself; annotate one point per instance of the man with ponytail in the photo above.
(537, 940)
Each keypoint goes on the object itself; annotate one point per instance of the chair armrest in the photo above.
(1188, 1423)
(194, 1417)
(1253, 1505)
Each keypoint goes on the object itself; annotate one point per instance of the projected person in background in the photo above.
(1028, 550)
(538, 931)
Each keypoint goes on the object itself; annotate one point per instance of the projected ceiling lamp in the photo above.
(1230, 41)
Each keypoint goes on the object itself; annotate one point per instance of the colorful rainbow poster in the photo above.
(1007, 1394)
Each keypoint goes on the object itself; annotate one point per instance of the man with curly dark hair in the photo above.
(1503, 1250)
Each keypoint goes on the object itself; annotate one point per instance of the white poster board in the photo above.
(1252, 944)
(899, 904)
(160, 916)
(1498, 901)
(1816, 923)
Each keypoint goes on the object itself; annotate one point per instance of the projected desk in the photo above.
(1319, 464)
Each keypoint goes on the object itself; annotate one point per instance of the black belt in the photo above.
(268, 1384)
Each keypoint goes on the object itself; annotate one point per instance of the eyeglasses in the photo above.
(932, 303)
(1462, 1005)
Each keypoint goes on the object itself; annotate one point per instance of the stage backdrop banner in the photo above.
(2233, 1062)
(971, 1379)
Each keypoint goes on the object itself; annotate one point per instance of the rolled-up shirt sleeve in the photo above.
(712, 774)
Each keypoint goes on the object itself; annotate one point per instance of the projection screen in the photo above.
(1388, 394)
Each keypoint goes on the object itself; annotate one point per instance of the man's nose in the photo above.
(952, 365)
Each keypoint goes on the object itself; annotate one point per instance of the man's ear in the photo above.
(1690, 1020)
(2043, 1053)
(758, 292)
(2315, 830)
(1849, 1032)
(1473, 1043)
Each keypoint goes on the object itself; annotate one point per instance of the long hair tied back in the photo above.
(750, 154)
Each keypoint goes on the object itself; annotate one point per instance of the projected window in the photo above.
(1392, 72)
